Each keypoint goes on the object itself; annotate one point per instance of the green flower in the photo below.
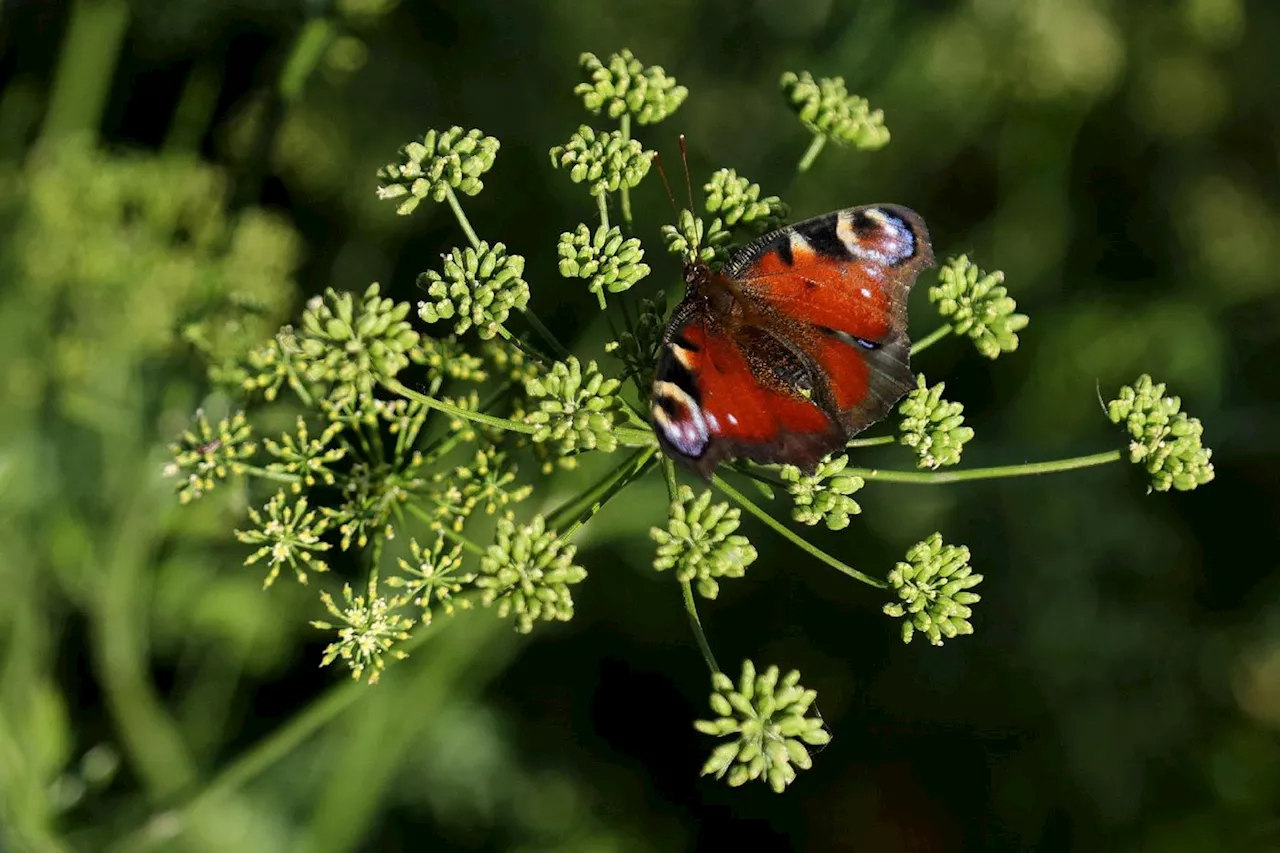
(352, 344)
(604, 259)
(432, 578)
(306, 457)
(693, 239)
(932, 426)
(608, 161)
(441, 162)
(287, 535)
(699, 542)
(576, 407)
(488, 483)
(207, 453)
(770, 723)
(528, 571)
(737, 201)
(1165, 442)
(933, 587)
(827, 109)
(368, 629)
(824, 494)
(624, 86)
(509, 360)
(977, 305)
(404, 420)
(479, 288)
(447, 358)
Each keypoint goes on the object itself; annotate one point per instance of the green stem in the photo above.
(195, 108)
(277, 476)
(86, 68)
(408, 393)
(815, 148)
(584, 507)
(308, 49)
(809, 548)
(624, 128)
(461, 217)
(448, 532)
(691, 608)
(559, 348)
(930, 339)
(669, 474)
(1027, 469)
(603, 204)
(871, 442)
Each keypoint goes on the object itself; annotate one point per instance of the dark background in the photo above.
(1117, 160)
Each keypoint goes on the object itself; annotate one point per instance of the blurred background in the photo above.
(1119, 162)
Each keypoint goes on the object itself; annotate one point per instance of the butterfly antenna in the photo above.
(688, 182)
(662, 173)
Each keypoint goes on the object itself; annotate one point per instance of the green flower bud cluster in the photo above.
(527, 572)
(827, 109)
(623, 86)
(932, 426)
(577, 407)
(737, 201)
(637, 347)
(443, 161)
(488, 483)
(608, 161)
(933, 586)
(977, 304)
(305, 457)
(1166, 442)
(207, 453)
(770, 721)
(350, 345)
(287, 534)
(699, 542)
(824, 494)
(368, 627)
(447, 358)
(603, 258)
(693, 239)
(432, 577)
(479, 287)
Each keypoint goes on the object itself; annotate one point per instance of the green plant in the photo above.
(412, 432)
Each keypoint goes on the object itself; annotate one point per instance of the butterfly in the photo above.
(796, 345)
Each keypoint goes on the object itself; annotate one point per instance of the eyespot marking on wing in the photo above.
(875, 235)
(680, 419)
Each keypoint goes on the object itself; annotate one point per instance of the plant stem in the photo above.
(691, 608)
(463, 222)
(930, 339)
(815, 148)
(277, 476)
(871, 442)
(624, 128)
(195, 108)
(559, 348)
(603, 204)
(583, 507)
(445, 530)
(1027, 469)
(86, 68)
(809, 548)
(408, 393)
(308, 48)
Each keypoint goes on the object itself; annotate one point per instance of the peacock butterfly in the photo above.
(796, 345)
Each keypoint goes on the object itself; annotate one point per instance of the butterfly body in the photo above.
(795, 346)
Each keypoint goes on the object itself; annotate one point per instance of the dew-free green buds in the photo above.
(287, 535)
(606, 160)
(1165, 441)
(823, 495)
(576, 407)
(603, 258)
(933, 588)
(976, 304)
(528, 572)
(693, 239)
(737, 201)
(442, 161)
(826, 108)
(431, 577)
(478, 288)
(699, 542)
(623, 86)
(305, 457)
(931, 426)
(368, 628)
(769, 721)
(207, 453)
(488, 483)
(349, 343)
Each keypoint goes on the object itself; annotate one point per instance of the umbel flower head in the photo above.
(931, 426)
(207, 453)
(305, 457)
(771, 724)
(603, 258)
(827, 109)
(432, 577)
(737, 201)
(823, 495)
(349, 345)
(368, 629)
(479, 287)
(623, 86)
(443, 161)
(933, 586)
(699, 542)
(1165, 441)
(287, 535)
(528, 571)
(607, 161)
(576, 407)
(977, 304)
(693, 239)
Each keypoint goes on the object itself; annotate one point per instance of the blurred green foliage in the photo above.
(164, 167)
